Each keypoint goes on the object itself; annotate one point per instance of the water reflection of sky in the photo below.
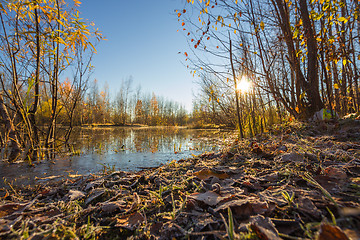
(127, 149)
(130, 140)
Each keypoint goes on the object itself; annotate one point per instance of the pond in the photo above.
(119, 148)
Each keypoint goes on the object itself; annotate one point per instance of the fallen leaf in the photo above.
(209, 198)
(290, 157)
(74, 195)
(335, 172)
(329, 232)
(264, 228)
(306, 205)
(244, 208)
(204, 222)
(130, 221)
(272, 177)
(94, 184)
(94, 195)
(109, 207)
(287, 226)
(207, 173)
(273, 196)
(155, 228)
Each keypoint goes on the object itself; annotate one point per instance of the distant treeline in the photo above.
(127, 106)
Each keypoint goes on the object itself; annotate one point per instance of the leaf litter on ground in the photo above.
(296, 182)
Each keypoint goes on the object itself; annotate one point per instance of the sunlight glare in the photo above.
(244, 85)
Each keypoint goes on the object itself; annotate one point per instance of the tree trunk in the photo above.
(236, 93)
(312, 85)
(15, 149)
(35, 104)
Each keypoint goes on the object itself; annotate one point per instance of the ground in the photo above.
(298, 181)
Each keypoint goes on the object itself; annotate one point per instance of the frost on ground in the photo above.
(297, 181)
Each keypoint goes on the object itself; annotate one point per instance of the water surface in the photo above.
(120, 148)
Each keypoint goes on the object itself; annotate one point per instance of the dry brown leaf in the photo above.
(74, 195)
(207, 173)
(274, 196)
(329, 232)
(290, 157)
(264, 228)
(335, 172)
(244, 208)
(109, 207)
(264, 233)
(130, 221)
(306, 205)
(94, 195)
(209, 198)
(272, 177)
(155, 228)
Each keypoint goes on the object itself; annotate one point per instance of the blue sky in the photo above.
(142, 42)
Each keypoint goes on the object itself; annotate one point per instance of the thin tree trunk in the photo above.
(236, 92)
(35, 104)
(262, 118)
(50, 140)
(15, 149)
(254, 107)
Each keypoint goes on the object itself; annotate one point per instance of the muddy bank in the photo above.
(298, 181)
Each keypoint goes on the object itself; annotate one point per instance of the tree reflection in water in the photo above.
(129, 140)
(124, 148)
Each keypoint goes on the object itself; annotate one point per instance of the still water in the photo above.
(121, 148)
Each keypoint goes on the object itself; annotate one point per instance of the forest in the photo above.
(41, 43)
(298, 58)
(283, 74)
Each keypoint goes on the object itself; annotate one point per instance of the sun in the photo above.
(244, 85)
